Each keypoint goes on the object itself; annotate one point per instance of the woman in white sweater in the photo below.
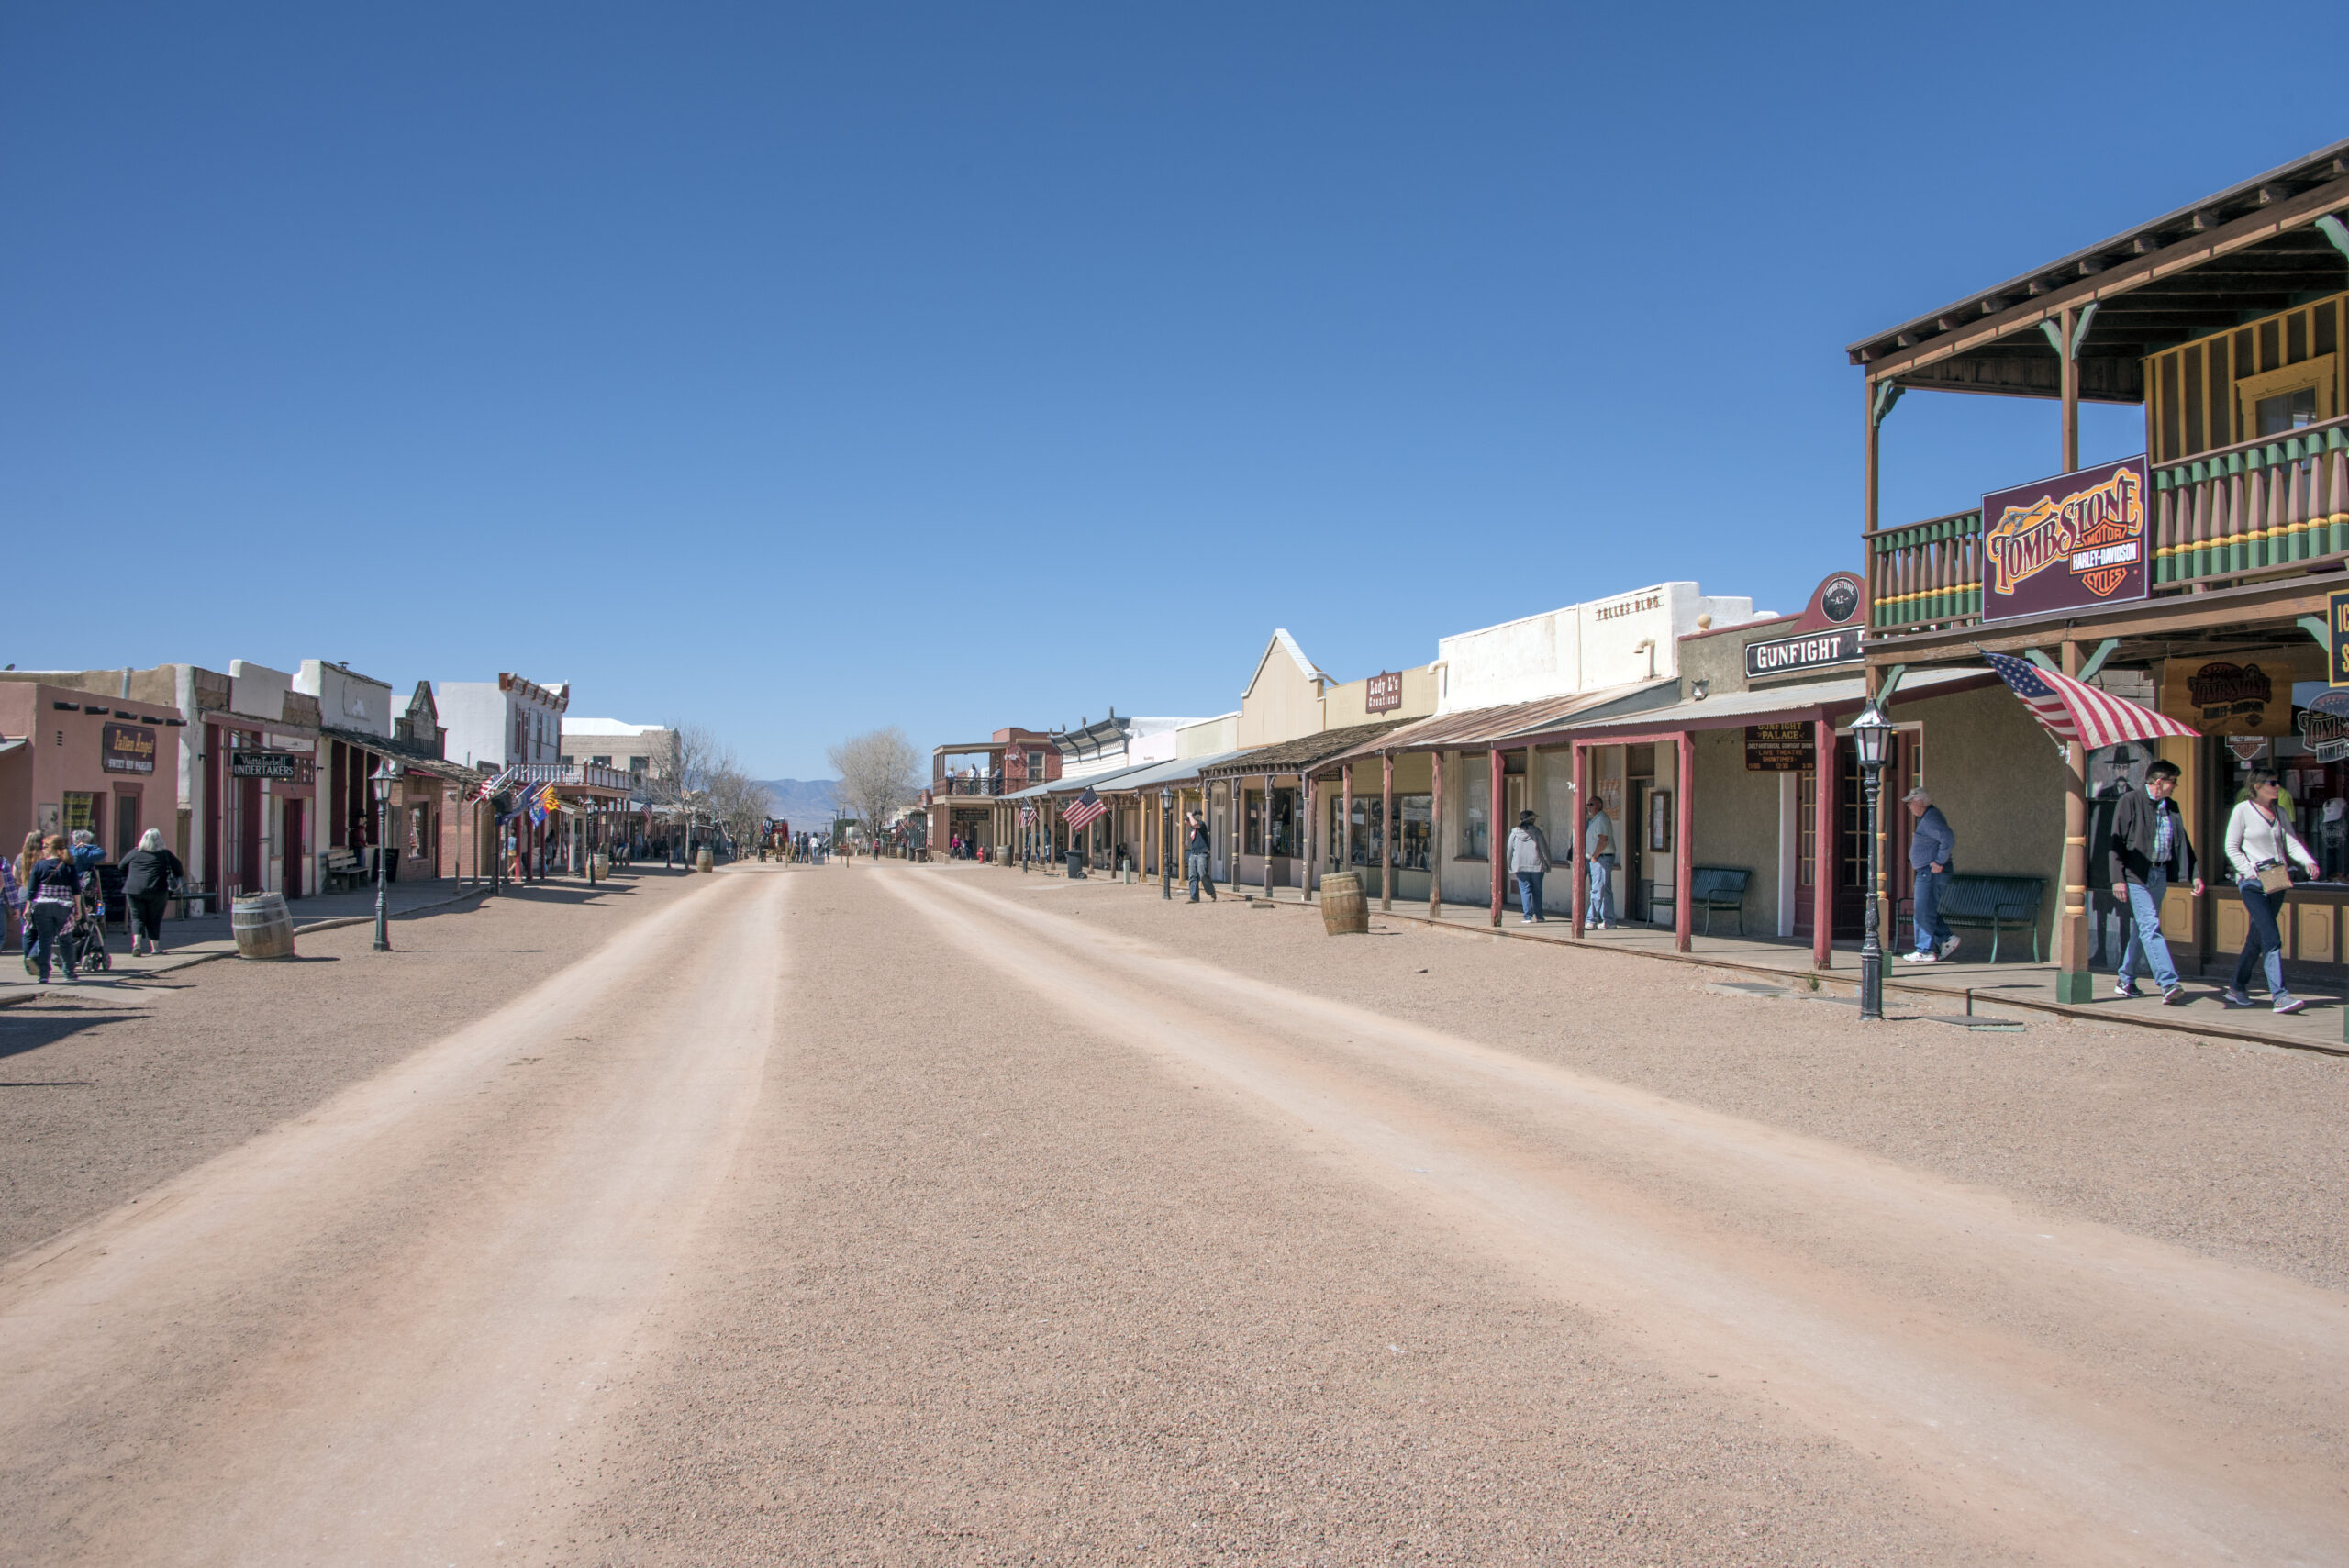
(2258, 838)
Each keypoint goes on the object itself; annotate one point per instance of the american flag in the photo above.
(1084, 811)
(1028, 814)
(493, 783)
(2074, 710)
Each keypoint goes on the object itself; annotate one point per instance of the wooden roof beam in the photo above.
(2257, 228)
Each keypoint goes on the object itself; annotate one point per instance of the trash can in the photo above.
(1076, 865)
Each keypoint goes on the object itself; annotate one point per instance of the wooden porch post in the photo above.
(1268, 837)
(1582, 802)
(2073, 981)
(1346, 821)
(1386, 832)
(1492, 840)
(1309, 796)
(2071, 386)
(1869, 485)
(1435, 839)
(1684, 922)
(1822, 858)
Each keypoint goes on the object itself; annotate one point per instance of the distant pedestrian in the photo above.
(147, 885)
(11, 901)
(1933, 849)
(23, 868)
(1529, 858)
(2150, 852)
(1197, 847)
(88, 855)
(1598, 858)
(53, 892)
(2261, 849)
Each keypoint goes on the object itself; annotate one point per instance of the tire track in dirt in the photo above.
(381, 1332)
(2077, 1389)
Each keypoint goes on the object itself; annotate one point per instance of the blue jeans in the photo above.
(44, 938)
(2264, 945)
(1195, 870)
(1932, 929)
(2146, 947)
(1602, 890)
(1529, 893)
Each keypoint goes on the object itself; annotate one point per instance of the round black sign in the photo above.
(1841, 602)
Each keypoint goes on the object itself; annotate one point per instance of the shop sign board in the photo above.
(1785, 655)
(2324, 725)
(286, 767)
(2222, 697)
(2336, 638)
(2075, 542)
(1777, 747)
(1383, 692)
(128, 748)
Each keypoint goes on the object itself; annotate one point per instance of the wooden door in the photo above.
(295, 858)
(1631, 833)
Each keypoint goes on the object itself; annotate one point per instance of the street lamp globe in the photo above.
(1872, 734)
(387, 773)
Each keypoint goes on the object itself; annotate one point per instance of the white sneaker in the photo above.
(1949, 947)
(1921, 958)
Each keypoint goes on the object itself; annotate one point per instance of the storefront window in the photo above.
(2287, 411)
(1414, 835)
(1365, 833)
(80, 811)
(1475, 831)
(1284, 822)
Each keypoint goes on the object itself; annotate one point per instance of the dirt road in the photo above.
(858, 1214)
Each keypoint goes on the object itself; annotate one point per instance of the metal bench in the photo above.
(1721, 888)
(1980, 900)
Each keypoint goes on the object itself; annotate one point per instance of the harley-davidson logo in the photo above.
(2098, 533)
(2324, 725)
(2213, 684)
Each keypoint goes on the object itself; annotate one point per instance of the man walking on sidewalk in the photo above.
(1598, 861)
(1933, 849)
(1196, 848)
(2150, 852)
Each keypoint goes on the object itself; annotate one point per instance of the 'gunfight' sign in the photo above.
(2077, 540)
(1777, 747)
(128, 748)
(1384, 694)
(2220, 696)
(1780, 655)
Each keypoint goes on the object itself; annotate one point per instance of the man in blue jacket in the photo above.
(1932, 848)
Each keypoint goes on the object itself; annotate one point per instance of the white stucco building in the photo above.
(1603, 642)
(501, 723)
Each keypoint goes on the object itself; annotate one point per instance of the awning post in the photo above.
(1683, 850)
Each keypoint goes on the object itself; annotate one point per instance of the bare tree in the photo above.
(879, 771)
(735, 801)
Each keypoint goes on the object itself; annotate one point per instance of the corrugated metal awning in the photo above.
(1484, 726)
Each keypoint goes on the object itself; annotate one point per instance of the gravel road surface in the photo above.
(881, 1214)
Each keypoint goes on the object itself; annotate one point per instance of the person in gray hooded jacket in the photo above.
(1529, 859)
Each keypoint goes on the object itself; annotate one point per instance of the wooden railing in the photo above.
(2268, 507)
(1926, 574)
(2256, 508)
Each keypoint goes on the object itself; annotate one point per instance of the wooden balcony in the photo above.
(2272, 508)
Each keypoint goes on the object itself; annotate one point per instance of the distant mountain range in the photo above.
(810, 801)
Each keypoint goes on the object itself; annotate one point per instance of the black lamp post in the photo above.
(1166, 832)
(1872, 737)
(385, 777)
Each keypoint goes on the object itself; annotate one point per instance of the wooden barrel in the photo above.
(599, 867)
(263, 926)
(702, 860)
(1345, 911)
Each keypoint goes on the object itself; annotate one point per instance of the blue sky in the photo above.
(801, 369)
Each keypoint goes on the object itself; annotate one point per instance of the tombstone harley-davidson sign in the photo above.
(2071, 542)
(2324, 726)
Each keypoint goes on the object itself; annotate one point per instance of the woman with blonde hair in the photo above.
(146, 886)
(15, 873)
(54, 891)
